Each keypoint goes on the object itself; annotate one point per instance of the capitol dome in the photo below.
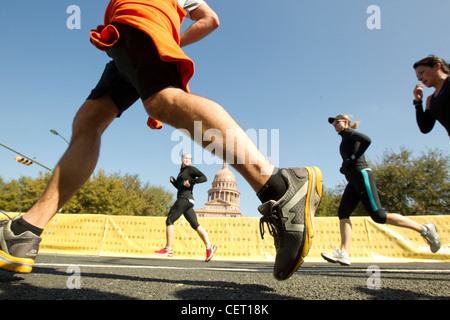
(224, 179)
(223, 197)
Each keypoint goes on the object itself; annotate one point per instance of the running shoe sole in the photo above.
(14, 264)
(164, 254)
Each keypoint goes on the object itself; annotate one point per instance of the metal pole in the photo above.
(57, 134)
(27, 157)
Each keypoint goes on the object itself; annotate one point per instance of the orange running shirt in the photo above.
(160, 19)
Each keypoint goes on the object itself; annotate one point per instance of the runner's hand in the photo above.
(418, 92)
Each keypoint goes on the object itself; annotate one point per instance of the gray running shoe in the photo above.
(290, 220)
(338, 256)
(17, 253)
(431, 237)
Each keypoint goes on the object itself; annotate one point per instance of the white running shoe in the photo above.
(431, 237)
(337, 256)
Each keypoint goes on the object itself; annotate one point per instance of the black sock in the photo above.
(19, 226)
(274, 189)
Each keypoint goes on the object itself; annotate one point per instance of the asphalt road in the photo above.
(196, 283)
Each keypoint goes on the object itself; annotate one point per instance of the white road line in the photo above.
(311, 270)
(106, 266)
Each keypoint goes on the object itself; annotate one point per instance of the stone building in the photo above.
(223, 197)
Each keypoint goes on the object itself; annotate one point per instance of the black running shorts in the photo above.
(362, 188)
(136, 70)
(183, 207)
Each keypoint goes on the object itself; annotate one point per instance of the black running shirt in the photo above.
(193, 175)
(352, 149)
(439, 110)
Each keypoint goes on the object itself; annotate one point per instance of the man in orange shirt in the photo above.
(142, 38)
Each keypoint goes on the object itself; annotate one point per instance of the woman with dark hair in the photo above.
(432, 72)
(362, 188)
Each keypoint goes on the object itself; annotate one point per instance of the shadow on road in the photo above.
(16, 286)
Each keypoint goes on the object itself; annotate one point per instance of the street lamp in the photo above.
(56, 133)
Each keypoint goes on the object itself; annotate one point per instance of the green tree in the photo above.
(19, 195)
(329, 203)
(9, 196)
(104, 194)
(117, 195)
(414, 186)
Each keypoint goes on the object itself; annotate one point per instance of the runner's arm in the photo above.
(206, 21)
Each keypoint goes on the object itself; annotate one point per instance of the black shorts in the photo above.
(183, 207)
(362, 188)
(136, 70)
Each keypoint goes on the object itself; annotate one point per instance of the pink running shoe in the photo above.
(164, 252)
(210, 252)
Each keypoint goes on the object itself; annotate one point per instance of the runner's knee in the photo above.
(161, 104)
(379, 216)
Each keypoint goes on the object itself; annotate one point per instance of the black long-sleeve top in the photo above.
(439, 110)
(188, 173)
(352, 149)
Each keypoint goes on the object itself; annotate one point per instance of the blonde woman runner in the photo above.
(184, 183)
(362, 188)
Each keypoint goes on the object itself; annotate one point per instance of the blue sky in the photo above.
(283, 66)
